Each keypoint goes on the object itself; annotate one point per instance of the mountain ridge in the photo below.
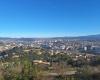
(90, 37)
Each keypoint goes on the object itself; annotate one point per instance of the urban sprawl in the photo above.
(49, 59)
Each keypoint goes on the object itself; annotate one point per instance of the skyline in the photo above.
(49, 18)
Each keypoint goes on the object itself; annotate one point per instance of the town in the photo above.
(49, 59)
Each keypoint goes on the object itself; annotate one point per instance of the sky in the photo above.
(49, 18)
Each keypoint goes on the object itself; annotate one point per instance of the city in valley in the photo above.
(49, 39)
(60, 58)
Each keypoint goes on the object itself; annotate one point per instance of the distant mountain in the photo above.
(89, 37)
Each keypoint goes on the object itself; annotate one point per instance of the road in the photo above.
(68, 73)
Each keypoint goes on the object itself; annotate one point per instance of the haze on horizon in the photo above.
(49, 18)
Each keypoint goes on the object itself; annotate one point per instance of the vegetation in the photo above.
(23, 67)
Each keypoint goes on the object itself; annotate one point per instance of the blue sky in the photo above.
(49, 18)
